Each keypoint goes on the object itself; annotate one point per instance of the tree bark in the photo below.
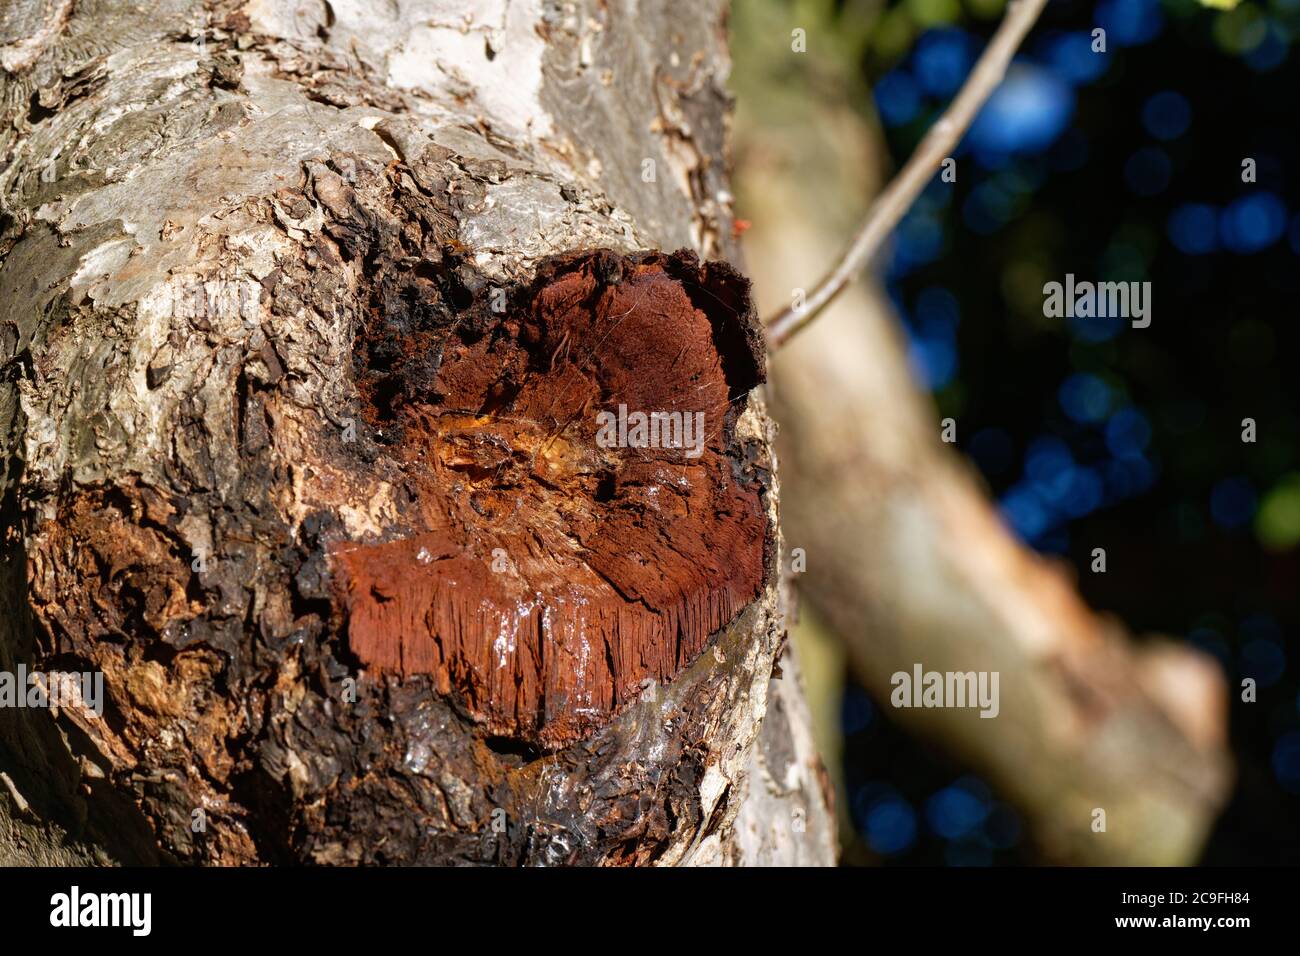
(306, 314)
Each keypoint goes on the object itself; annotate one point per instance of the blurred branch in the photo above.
(909, 562)
(894, 201)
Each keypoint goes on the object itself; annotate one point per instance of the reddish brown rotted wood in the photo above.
(550, 578)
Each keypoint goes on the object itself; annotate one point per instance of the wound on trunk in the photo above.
(552, 573)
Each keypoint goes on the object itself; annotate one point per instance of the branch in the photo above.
(939, 142)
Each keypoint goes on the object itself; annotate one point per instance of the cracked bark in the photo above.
(271, 286)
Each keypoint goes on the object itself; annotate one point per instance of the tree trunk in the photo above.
(308, 321)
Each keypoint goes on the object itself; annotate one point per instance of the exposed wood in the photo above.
(547, 578)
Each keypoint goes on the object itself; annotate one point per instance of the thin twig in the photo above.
(938, 144)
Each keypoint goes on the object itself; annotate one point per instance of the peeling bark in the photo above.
(258, 414)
